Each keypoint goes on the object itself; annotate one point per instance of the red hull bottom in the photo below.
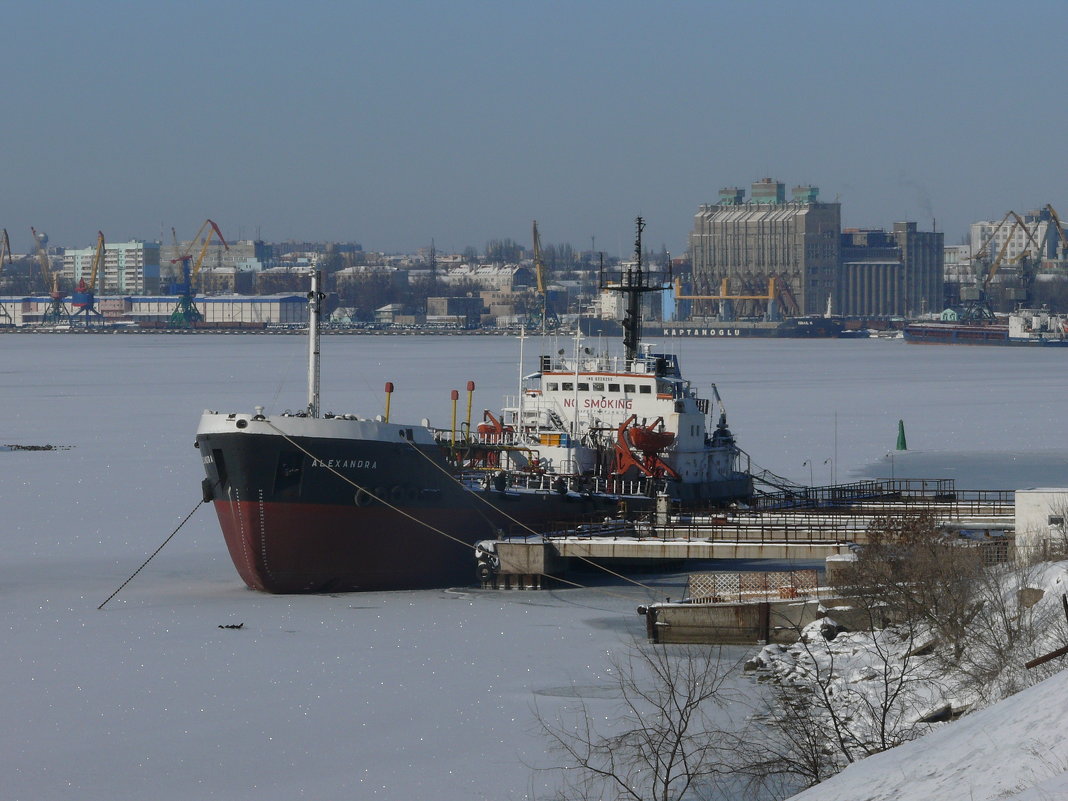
(295, 548)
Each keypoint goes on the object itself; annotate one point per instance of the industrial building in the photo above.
(896, 273)
(463, 312)
(218, 310)
(741, 245)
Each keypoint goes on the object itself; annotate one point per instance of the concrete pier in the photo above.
(832, 526)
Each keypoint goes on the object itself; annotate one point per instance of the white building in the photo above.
(129, 267)
(1040, 522)
(1039, 241)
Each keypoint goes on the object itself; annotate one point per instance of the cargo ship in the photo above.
(1025, 327)
(336, 503)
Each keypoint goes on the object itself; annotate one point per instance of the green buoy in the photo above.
(901, 444)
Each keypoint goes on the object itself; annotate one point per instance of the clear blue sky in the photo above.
(394, 123)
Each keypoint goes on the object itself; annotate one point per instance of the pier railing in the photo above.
(915, 494)
(752, 586)
(984, 510)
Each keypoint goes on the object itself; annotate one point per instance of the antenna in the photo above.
(632, 284)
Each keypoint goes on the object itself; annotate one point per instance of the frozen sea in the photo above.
(405, 695)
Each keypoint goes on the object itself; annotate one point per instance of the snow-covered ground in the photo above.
(386, 695)
(1014, 749)
(846, 683)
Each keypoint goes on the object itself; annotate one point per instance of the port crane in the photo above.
(977, 306)
(84, 297)
(1062, 238)
(56, 312)
(5, 251)
(186, 314)
(544, 316)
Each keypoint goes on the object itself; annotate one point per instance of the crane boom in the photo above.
(5, 248)
(98, 262)
(1000, 257)
(57, 312)
(980, 254)
(544, 316)
(1029, 233)
(204, 249)
(539, 265)
(50, 276)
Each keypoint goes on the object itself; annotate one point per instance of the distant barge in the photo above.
(1026, 327)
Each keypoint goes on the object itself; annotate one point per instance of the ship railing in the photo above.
(466, 439)
(562, 483)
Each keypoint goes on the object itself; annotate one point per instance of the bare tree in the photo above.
(917, 574)
(662, 742)
(837, 697)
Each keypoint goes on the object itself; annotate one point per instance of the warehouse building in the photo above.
(220, 310)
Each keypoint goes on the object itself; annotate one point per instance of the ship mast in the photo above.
(633, 285)
(315, 306)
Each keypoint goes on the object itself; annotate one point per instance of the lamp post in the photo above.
(807, 463)
(830, 460)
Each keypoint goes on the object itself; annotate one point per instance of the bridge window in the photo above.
(629, 388)
(583, 386)
(552, 386)
(613, 387)
(598, 386)
(646, 389)
(567, 386)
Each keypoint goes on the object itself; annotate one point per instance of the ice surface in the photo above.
(389, 695)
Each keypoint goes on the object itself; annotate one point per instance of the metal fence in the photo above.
(711, 588)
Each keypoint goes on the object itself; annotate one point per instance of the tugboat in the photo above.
(338, 503)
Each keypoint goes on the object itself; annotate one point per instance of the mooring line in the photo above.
(153, 556)
(528, 528)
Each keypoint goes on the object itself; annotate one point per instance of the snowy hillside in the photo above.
(1015, 749)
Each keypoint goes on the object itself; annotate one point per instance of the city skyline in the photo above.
(401, 124)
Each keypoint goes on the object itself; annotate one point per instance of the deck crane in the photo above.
(186, 314)
(543, 317)
(84, 297)
(56, 312)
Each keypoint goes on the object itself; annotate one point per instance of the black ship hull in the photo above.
(334, 514)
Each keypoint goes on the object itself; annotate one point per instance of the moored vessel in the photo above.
(315, 503)
(1024, 327)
